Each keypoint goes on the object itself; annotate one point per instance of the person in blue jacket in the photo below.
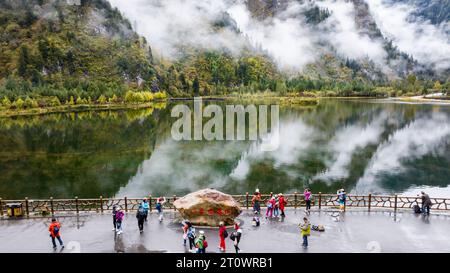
(146, 207)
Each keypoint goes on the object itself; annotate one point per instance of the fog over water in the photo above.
(371, 150)
(361, 145)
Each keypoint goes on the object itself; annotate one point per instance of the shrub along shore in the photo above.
(52, 104)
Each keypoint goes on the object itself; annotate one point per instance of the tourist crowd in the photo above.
(275, 208)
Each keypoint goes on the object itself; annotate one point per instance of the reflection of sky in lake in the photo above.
(425, 135)
(364, 147)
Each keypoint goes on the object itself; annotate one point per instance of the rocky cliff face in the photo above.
(397, 63)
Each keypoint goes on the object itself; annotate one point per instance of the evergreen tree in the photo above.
(24, 59)
(196, 87)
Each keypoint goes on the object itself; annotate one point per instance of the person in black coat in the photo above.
(141, 215)
(426, 203)
(114, 210)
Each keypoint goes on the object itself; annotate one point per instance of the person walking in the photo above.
(222, 235)
(191, 236)
(55, 233)
(119, 219)
(283, 202)
(114, 211)
(146, 206)
(159, 207)
(256, 200)
(342, 196)
(200, 243)
(307, 196)
(236, 237)
(305, 228)
(185, 228)
(426, 203)
(140, 215)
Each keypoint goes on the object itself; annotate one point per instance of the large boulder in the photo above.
(208, 207)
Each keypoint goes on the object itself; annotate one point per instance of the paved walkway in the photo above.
(352, 231)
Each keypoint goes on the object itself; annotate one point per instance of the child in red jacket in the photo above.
(54, 230)
(222, 235)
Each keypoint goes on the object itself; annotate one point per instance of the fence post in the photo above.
(174, 198)
(395, 206)
(295, 200)
(51, 206)
(150, 203)
(101, 204)
(126, 204)
(1, 207)
(320, 200)
(370, 200)
(246, 199)
(76, 204)
(27, 212)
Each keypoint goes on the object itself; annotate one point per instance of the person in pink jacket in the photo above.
(270, 206)
(307, 195)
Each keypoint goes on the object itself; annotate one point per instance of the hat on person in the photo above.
(257, 190)
(202, 232)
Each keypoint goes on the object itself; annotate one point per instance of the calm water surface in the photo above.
(364, 146)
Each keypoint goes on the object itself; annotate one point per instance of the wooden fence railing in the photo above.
(295, 200)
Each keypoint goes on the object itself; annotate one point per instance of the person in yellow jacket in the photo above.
(305, 228)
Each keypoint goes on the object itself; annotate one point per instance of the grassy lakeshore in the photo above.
(268, 98)
(420, 99)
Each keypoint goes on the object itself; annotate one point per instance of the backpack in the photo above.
(225, 233)
(233, 236)
(55, 230)
(191, 233)
(318, 228)
(141, 213)
(205, 244)
(158, 206)
(119, 216)
(255, 222)
(416, 209)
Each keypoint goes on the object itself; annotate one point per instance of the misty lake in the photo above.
(362, 145)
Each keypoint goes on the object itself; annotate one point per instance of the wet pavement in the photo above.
(352, 231)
